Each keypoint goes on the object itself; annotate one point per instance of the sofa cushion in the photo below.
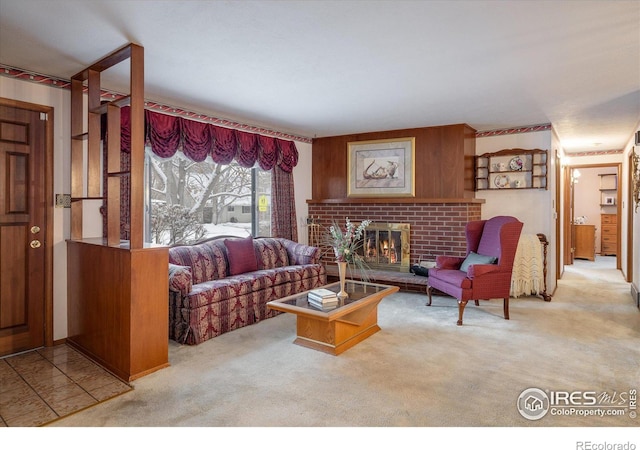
(301, 253)
(241, 256)
(220, 290)
(474, 258)
(207, 261)
(271, 253)
(180, 279)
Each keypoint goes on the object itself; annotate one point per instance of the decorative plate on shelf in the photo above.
(501, 181)
(516, 163)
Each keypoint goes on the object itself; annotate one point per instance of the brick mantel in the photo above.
(408, 200)
(437, 225)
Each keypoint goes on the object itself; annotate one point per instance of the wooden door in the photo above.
(23, 144)
(631, 201)
(569, 237)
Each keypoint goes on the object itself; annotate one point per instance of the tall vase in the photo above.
(342, 271)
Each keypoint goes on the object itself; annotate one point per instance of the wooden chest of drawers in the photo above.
(608, 234)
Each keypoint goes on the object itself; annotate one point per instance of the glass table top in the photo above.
(356, 290)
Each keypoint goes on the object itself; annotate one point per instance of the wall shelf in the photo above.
(509, 169)
(608, 189)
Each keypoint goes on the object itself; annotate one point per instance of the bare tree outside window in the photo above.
(191, 201)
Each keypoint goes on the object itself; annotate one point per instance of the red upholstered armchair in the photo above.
(485, 272)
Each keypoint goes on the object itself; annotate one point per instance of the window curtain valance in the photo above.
(167, 134)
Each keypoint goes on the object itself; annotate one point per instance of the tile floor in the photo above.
(42, 385)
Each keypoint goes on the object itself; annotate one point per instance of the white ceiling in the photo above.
(323, 68)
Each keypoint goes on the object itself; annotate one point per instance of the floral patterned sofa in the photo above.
(225, 283)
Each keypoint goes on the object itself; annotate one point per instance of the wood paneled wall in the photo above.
(444, 159)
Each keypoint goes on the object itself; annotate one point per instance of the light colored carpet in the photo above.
(420, 370)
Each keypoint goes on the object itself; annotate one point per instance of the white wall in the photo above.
(60, 100)
(302, 180)
(533, 207)
(530, 206)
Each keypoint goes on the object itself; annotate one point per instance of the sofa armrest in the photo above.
(448, 262)
(180, 279)
(301, 254)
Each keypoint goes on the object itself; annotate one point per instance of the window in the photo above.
(190, 201)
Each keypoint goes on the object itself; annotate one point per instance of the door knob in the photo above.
(35, 229)
(35, 243)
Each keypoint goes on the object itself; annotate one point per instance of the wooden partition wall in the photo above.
(118, 307)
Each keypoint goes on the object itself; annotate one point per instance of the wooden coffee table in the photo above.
(336, 330)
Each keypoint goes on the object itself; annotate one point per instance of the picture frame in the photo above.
(609, 201)
(381, 168)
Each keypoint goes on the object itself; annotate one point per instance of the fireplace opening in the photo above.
(385, 246)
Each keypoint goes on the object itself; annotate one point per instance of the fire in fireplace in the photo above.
(385, 246)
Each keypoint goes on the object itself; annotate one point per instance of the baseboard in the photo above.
(635, 295)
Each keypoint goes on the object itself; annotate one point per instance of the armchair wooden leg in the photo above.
(477, 302)
(429, 293)
(461, 305)
(506, 308)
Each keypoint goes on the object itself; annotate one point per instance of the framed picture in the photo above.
(609, 201)
(381, 168)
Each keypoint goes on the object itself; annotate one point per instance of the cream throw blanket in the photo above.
(528, 267)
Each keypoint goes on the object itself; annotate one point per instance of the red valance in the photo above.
(163, 133)
(225, 146)
(267, 152)
(248, 148)
(167, 134)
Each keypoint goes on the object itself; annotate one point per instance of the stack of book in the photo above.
(322, 298)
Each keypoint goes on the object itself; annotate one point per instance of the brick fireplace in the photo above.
(386, 246)
(436, 228)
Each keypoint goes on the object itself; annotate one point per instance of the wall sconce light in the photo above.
(575, 174)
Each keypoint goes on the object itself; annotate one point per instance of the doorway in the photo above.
(593, 228)
(26, 177)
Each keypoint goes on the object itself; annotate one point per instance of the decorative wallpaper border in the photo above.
(519, 130)
(33, 77)
(543, 127)
(222, 122)
(595, 153)
(24, 75)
